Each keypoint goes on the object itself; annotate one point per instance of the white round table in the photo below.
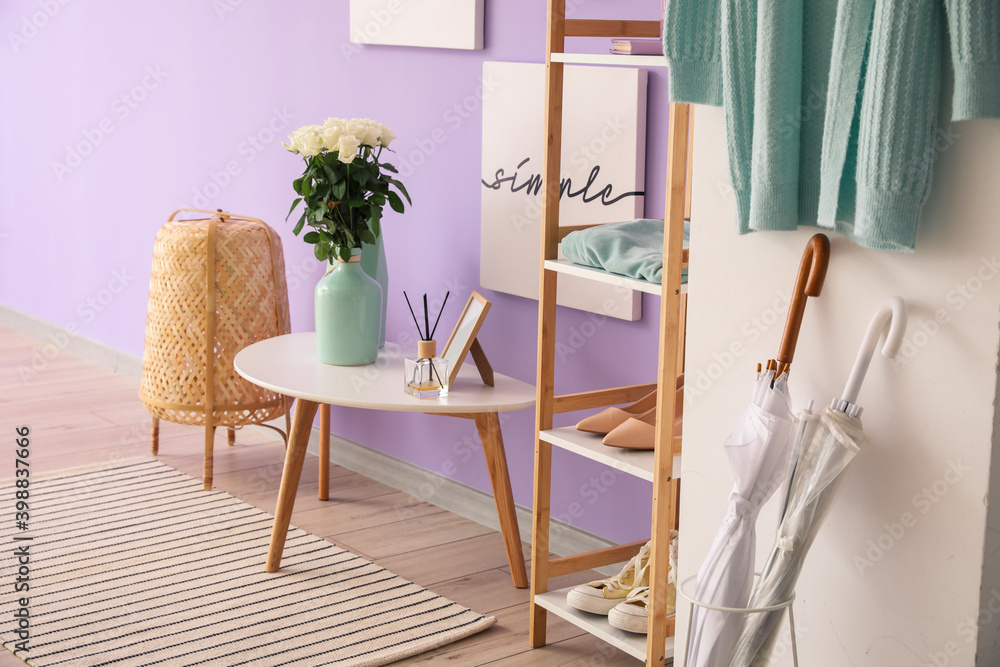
(288, 365)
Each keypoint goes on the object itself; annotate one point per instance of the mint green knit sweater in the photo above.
(832, 105)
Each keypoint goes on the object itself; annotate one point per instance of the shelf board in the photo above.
(600, 275)
(609, 59)
(635, 462)
(630, 642)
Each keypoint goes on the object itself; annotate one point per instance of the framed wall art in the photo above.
(445, 24)
(603, 173)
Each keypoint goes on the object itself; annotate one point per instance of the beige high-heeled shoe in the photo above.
(609, 419)
(640, 432)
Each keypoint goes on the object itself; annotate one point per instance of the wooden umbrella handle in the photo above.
(808, 282)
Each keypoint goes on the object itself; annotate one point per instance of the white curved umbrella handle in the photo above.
(889, 320)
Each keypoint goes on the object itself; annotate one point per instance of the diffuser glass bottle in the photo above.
(426, 376)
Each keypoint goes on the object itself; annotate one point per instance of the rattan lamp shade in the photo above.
(217, 285)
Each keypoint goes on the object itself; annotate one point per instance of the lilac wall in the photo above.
(116, 113)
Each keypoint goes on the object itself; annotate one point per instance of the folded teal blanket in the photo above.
(633, 248)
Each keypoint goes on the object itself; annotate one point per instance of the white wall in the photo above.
(872, 593)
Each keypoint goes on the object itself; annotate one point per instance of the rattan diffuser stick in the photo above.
(414, 315)
(427, 333)
(443, 304)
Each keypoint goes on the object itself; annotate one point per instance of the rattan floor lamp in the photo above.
(217, 285)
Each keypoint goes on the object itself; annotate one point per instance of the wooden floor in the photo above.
(80, 413)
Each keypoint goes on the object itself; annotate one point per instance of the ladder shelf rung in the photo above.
(611, 28)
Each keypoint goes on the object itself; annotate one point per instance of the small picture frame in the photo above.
(463, 339)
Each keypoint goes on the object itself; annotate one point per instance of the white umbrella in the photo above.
(758, 454)
(827, 442)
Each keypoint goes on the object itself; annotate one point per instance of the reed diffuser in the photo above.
(426, 376)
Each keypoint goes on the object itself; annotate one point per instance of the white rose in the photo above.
(293, 144)
(369, 137)
(295, 140)
(330, 136)
(330, 133)
(309, 140)
(357, 127)
(386, 136)
(348, 148)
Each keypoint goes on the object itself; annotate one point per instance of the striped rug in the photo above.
(134, 564)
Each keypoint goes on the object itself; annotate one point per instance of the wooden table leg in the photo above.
(324, 452)
(295, 454)
(488, 424)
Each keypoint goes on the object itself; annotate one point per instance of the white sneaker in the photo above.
(632, 615)
(600, 597)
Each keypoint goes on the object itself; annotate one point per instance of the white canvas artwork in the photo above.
(603, 173)
(446, 24)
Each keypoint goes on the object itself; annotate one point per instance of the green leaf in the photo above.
(367, 237)
(395, 202)
(318, 214)
(339, 189)
(307, 187)
(300, 223)
(311, 237)
(321, 251)
(399, 186)
(331, 175)
(345, 253)
(297, 185)
(294, 204)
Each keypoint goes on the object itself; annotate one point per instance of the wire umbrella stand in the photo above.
(787, 604)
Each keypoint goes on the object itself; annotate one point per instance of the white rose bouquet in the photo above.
(345, 184)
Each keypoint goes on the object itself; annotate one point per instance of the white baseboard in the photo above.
(54, 340)
(446, 493)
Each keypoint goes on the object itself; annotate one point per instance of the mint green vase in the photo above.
(373, 262)
(348, 315)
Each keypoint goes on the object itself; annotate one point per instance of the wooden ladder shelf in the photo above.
(670, 364)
